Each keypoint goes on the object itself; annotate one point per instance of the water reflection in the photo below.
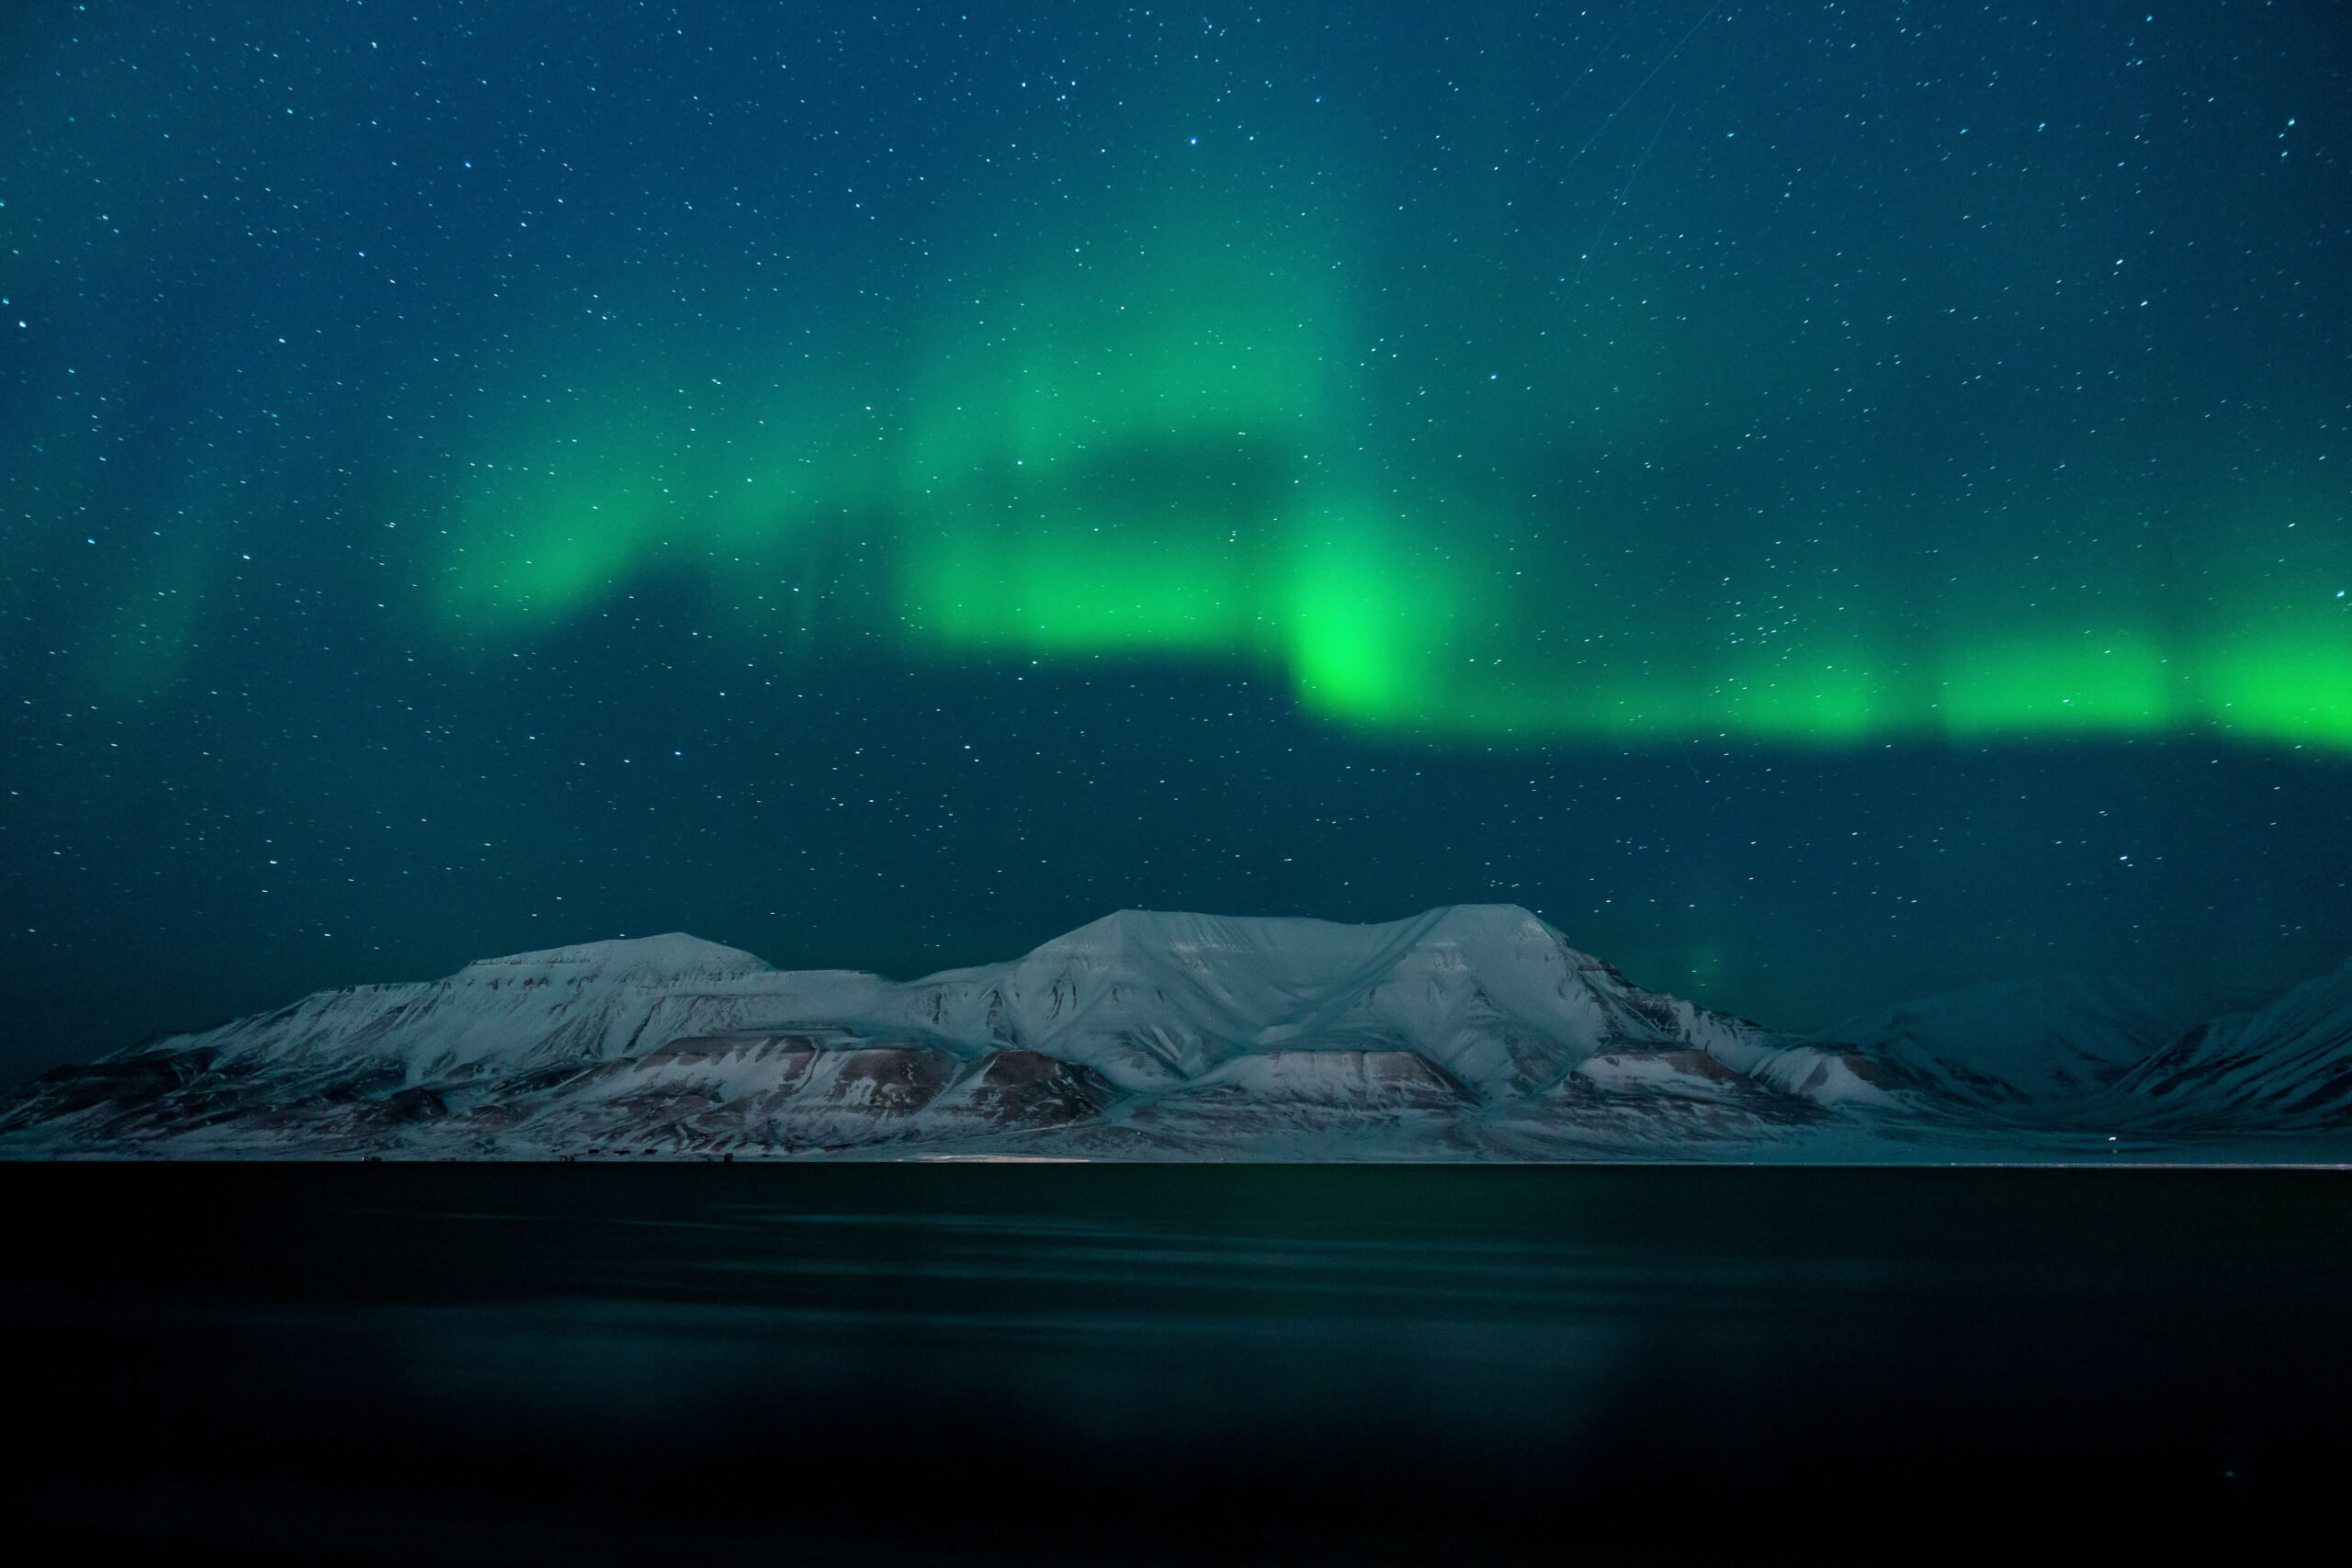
(1277, 1364)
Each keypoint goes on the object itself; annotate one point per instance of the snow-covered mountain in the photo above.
(2288, 1065)
(2020, 1045)
(1472, 1031)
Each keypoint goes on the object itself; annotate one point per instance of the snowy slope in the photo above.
(2018, 1044)
(2286, 1064)
(1488, 993)
(590, 1002)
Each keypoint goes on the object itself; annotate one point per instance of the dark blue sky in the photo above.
(1822, 503)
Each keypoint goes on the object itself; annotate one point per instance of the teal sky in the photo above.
(1818, 502)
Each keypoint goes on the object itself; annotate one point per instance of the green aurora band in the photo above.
(1206, 445)
(1186, 510)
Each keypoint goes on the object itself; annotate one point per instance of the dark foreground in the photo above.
(1151, 1364)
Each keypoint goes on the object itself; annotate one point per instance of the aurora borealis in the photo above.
(1838, 430)
(1202, 407)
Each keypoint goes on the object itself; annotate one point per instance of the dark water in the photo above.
(1068, 1364)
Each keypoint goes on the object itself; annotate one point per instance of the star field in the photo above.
(1822, 505)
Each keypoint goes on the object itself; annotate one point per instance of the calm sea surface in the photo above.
(1228, 1364)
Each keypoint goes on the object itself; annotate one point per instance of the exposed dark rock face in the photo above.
(64, 1090)
(1027, 1088)
(419, 1104)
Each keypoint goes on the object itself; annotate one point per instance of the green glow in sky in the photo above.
(1203, 425)
(1135, 543)
(1134, 514)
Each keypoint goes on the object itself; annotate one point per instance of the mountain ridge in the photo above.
(1464, 1032)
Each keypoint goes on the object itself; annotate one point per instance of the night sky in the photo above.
(1822, 503)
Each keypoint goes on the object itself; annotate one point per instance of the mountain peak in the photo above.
(671, 956)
